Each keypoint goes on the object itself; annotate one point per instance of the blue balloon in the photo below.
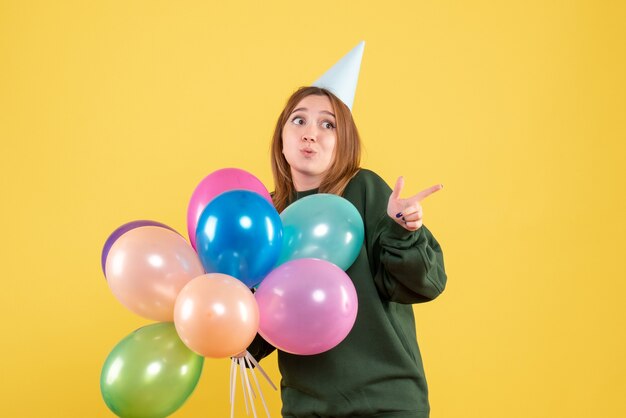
(240, 234)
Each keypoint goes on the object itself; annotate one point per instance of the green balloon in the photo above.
(323, 226)
(150, 373)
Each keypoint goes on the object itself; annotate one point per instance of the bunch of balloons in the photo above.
(199, 292)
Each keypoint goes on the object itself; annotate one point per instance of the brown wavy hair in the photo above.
(346, 156)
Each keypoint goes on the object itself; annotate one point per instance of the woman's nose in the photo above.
(310, 134)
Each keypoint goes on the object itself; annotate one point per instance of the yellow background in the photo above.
(113, 111)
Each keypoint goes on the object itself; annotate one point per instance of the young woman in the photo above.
(377, 370)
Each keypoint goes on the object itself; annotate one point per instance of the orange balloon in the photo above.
(216, 315)
(146, 269)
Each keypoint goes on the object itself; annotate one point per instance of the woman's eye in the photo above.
(298, 120)
(328, 125)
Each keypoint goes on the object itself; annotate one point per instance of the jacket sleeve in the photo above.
(410, 264)
(407, 266)
(259, 348)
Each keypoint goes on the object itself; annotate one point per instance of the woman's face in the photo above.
(309, 139)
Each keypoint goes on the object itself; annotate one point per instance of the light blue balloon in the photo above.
(240, 234)
(323, 226)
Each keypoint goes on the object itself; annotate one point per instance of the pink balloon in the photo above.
(146, 269)
(216, 315)
(216, 183)
(307, 306)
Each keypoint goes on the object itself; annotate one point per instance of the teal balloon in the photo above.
(323, 226)
(150, 373)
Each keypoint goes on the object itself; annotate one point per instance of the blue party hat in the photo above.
(341, 79)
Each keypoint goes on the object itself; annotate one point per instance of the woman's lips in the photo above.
(307, 152)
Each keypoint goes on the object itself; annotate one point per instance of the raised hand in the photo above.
(408, 212)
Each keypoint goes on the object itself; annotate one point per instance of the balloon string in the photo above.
(250, 388)
(258, 387)
(256, 365)
(232, 390)
(243, 386)
(243, 367)
(230, 380)
(243, 363)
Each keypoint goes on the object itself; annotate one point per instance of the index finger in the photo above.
(398, 188)
(427, 192)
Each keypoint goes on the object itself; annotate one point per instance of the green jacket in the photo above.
(377, 370)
